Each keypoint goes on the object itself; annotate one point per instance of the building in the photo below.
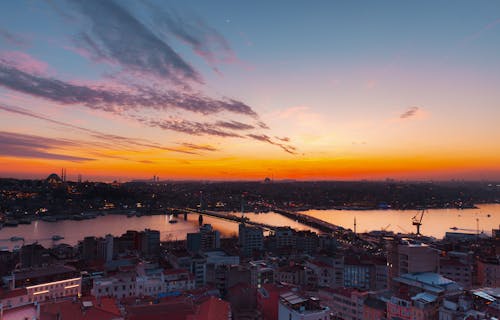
(261, 273)
(149, 243)
(306, 241)
(329, 271)
(344, 303)
(250, 239)
(458, 267)
(13, 298)
(285, 238)
(105, 247)
(104, 309)
(89, 249)
(408, 256)
(210, 238)
(374, 308)
(295, 307)
(411, 284)
(488, 272)
(268, 297)
(193, 242)
(178, 280)
(47, 283)
(206, 239)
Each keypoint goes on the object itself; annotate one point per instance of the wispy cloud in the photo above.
(115, 140)
(234, 125)
(114, 100)
(192, 30)
(190, 127)
(23, 62)
(117, 36)
(203, 147)
(264, 138)
(30, 146)
(411, 112)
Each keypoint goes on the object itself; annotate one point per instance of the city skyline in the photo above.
(242, 91)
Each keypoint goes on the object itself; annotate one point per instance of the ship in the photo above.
(57, 237)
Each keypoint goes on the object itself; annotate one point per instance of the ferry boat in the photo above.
(16, 239)
(57, 237)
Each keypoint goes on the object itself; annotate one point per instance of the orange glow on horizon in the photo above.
(240, 168)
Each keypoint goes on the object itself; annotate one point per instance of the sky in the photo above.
(243, 90)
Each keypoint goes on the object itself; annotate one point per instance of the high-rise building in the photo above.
(89, 248)
(407, 256)
(210, 238)
(250, 239)
(150, 242)
(206, 239)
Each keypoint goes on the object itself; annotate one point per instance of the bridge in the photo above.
(310, 221)
(232, 217)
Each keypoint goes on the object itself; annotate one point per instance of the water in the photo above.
(74, 231)
(435, 223)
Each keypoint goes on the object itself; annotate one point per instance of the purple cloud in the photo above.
(203, 147)
(203, 39)
(117, 36)
(234, 125)
(112, 100)
(30, 146)
(411, 112)
(264, 138)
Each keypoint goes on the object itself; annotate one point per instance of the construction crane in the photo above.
(418, 221)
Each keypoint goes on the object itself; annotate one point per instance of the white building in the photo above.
(294, 307)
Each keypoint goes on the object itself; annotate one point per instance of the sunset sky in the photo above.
(310, 90)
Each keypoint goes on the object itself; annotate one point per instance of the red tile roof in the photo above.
(76, 311)
(213, 309)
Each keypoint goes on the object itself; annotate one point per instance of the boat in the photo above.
(172, 221)
(49, 219)
(57, 237)
(454, 228)
(16, 238)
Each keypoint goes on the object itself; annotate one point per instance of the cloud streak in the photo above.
(411, 112)
(30, 146)
(115, 140)
(190, 127)
(116, 36)
(203, 39)
(264, 138)
(204, 147)
(113, 100)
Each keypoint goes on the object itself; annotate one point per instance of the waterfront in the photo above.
(435, 223)
(73, 231)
